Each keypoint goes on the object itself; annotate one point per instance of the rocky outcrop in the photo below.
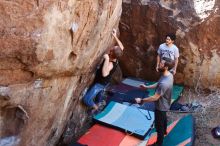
(145, 23)
(48, 54)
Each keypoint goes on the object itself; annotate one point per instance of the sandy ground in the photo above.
(206, 117)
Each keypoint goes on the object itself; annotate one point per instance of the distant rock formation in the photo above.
(145, 23)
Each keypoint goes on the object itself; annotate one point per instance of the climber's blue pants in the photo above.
(89, 98)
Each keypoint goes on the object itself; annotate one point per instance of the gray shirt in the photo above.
(164, 89)
(169, 52)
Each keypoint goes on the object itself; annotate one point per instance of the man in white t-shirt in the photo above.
(168, 50)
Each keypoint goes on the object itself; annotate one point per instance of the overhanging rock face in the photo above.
(48, 54)
(145, 23)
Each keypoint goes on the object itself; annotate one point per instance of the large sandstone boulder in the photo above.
(48, 55)
(145, 23)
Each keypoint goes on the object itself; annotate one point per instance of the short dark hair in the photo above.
(117, 52)
(172, 36)
(168, 63)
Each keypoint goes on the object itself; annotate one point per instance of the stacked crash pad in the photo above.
(129, 119)
(180, 132)
(118, 124)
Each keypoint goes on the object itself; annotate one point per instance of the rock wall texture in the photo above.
(48, 53)
(145, 23)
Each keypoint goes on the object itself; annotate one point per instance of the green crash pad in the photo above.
(180, 132)
(177, 89)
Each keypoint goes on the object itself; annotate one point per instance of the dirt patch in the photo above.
(206, 117)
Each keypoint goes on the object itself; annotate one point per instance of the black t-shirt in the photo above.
(105, 80)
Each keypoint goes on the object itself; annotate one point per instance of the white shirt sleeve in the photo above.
(159, 51)
(176, 53)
